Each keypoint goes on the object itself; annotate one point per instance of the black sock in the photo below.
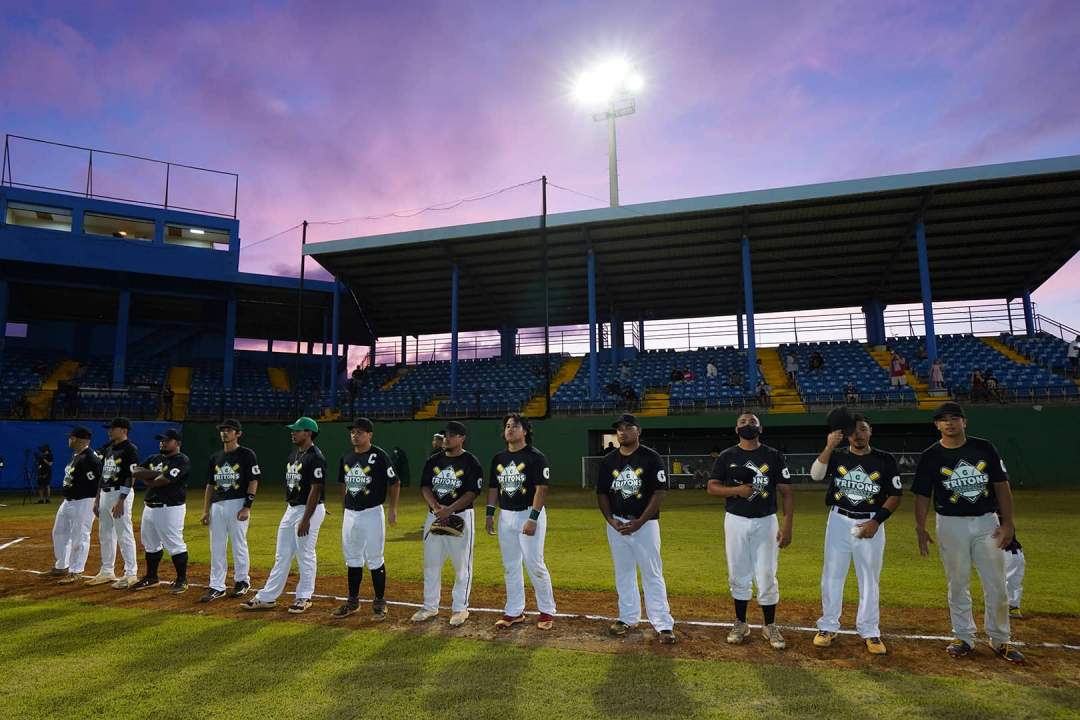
(152, 561)
(179, 561)
(356, 574)
(769, 611)
(378, 581)
(740, 609)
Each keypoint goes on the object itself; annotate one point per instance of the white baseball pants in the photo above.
(363, 537)
(225, 528)
(640, 551)
(116, 530)
(290, 545)
(71, 534)
(963, 541)
(841, 549)
(163, 528)
(517, 548)
(1014, 577)
(752, 557)
(460, 551)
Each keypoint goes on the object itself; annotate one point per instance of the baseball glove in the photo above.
(452, 525)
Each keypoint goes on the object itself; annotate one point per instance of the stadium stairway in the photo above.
(394, 380)
(41, 401)
(535, 406)
(924, 400)
(431, 409)
(1006, 350)
(656, 403)
(785, 399)
(279, 379)
(180, 382)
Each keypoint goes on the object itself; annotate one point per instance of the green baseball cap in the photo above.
(304, 423)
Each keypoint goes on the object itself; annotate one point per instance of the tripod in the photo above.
(29, 480)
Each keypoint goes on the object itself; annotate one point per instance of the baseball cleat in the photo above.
(423, 615)
(1007, 652)
(57, 572)
(146, 582)
(824, 639)
(507, 620)
(958, 649)
(618, 628)
(667, 637)
(1015, 613)
(125, 583)
(345, 610)
(211, 594)
(179, 587)
(874, 646)
(545, 621)
(378, 609)
(69, 579)
(101, 578)
(772, 634)
(458, 619)
(739, 632)
(256, 604)
(299, 606)
(240, 589)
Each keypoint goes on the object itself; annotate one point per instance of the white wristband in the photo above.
(817, 470)
(124, 491)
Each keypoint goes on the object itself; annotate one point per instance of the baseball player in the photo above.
(366, 476)
(298, 531)
(166, 475)
(75, 516)
(437, 442)
(750, 475)
(969, 485)
(864, 490)
(1014, 577)
(630, 487)
(232, 479)
(519, 483)
(113, 506)
(449, 483)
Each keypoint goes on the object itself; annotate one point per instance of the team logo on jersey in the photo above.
(627, 482)
(511, 478)
(760, 482)
(109, 468)
(446, 481)
(69, 474)
(292, 474)
(227, 477)
(358, 479)
(966, 481)
(856, 484)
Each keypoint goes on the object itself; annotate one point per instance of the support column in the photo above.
(123, 313)
(1008, 311)
(507, 342)
(3, 320)
(230, 342)
(335, 336)
(874, 317)
(641, 335)
(1029, 314)
(454, 278)
(324, 383)
(748, 304)
(927, 295)
(739, 323)
(612, 341)
(404, 349)
(594, 390)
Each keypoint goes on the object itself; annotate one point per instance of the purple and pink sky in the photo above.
(338, 110)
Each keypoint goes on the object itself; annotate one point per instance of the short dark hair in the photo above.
(857, 418)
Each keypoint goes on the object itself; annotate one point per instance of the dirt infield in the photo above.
(1048, 667)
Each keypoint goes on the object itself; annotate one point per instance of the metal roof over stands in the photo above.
(991, 231)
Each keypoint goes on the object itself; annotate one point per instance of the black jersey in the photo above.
(451, 477)
(516, 474)
(303, 469)
(81, 475)
(862, 483)
(119, 461)
(960, 480)
(629, 481)
(366, 477)
(763, 467)
(176, 468)
(230, 472)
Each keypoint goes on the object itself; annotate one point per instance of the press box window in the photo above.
(207, 238)
(118, 227)
(39, 216)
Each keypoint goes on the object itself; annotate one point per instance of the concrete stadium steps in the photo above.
(41, 401)
(536, 405)
(279, 378)
(656, 403)
(785, 399)
(431, 409)
(924, 400)
(1006, 350)
(394, 380)
(179, 379)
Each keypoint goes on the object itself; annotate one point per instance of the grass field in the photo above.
(83, 658)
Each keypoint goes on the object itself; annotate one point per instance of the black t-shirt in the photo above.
(176, 468)
(451, 477)
(629, 481)
(81, 475)
(303, 469)
(764, 468)
(366, 476)
(230, 473)
(516, 474)
(862, 483)
(119, 461)
(960, 480)
(44, 469)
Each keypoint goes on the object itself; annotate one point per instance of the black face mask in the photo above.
(748, 432)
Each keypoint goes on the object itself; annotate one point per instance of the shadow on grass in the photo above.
(642, 686)
(799, 692)
(482, 681)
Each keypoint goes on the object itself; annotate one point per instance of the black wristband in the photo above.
(491, 511)
(249, 500)
(882, 515)
(533, 514)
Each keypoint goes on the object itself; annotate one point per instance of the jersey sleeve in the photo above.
(251, 467)
(210, 472)
(995, 468)
(891, 471)
(925, 474)
(719, 470)
(89, 470)
(494, 475)
(425, 474)
(388, 465)
(784, 476)
(543, 474)
(179, 469)
(476, 483)
(130, 461)
(603, 478)
(317, 469)
(658, 473)
(341, 470)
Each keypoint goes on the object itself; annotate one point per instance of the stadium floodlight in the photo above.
(610, 85)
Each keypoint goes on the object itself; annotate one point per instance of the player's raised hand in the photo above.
(743, 491)
(925, 541)
(833, 440)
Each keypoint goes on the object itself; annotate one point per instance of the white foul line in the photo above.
(16, 540)
(603, 618)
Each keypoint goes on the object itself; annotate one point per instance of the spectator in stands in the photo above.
(614, 388)
(609, 448)
(764, 393)
(1074, 357)
(624, 371)
(978, 386)
(937, 375)
(791, 367)
(687, 374)
(897, 367)
(630, 394)
(676, 375)
(994, 390)
(921, 352)
(736, 379)
(167, 400)
(817, 362)
(710, 369)
(851, 393)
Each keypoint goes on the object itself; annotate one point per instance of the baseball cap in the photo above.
(362, 423)
(81, 432)
(170, 434)
(439, 435)
(626, 418)
(455, 428)
(304, 423)
(119, 422)
(948, 408)
(231, 424)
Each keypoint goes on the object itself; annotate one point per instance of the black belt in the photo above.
(854, 515)
(162, 504)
